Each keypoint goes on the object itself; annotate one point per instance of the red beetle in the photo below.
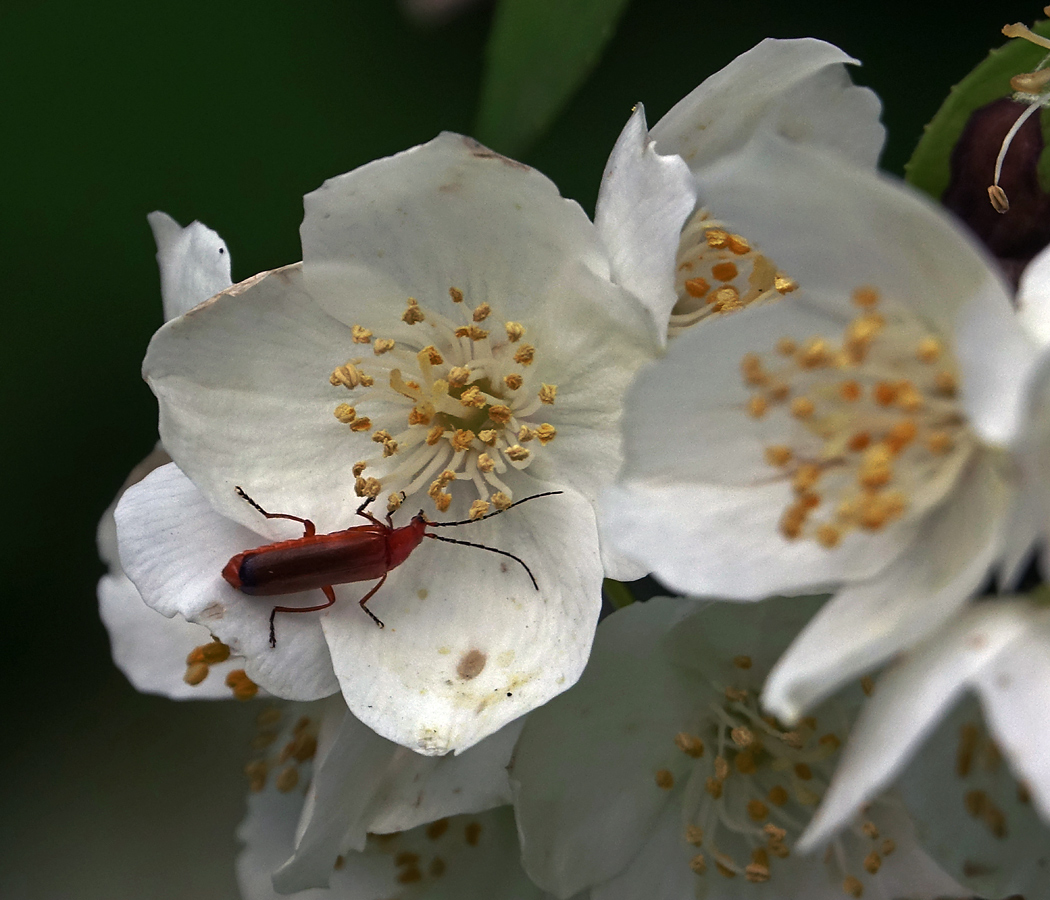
(360, 553)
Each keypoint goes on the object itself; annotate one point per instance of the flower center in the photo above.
(461, 403)
(753, 787)
(719, 272)
(873, 426)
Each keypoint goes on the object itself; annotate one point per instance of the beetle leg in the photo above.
(328, 592)
(306, 523)
(368, 597)
(364, 515)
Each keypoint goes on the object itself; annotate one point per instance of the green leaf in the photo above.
(928, 168)
(539, 52)
(618, 594)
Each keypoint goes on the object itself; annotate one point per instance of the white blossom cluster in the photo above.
(788, 387)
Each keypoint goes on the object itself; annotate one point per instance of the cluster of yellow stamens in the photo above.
(298, 745)
(873, 421)
(416, 865)
(752, 787)
(458, 404)
(198, 666)
(719, 272)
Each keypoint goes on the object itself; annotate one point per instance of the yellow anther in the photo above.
(713, 786)
(257, 770)
(696, 287)
(694, 835)
(877, 510)
(458, 376)
(866, 297)
(757, 406)
(243, 687)
(431, 355)
(443, 502)
(368, 487)
(547, 393)
(802, 408)
(909, 397)
(778, 795)
(382, 345)
(867, 684)
(213, 652)
(871, 830)
(806, 476)
(752, 371)
(858, 441)
(793, 739)
(850, 391)
(888, 846)
(434, 435)
(742, 736)
(664, 779)
(853, 887)
(456, 294)
(815, 354)
(513, 381)
(478, 509)
(792, 522)
(472, 397)
(716, 238)
(778, 455)
(345, 413)
(884, 392)
(997, 197)
(876, 467)
(830, 740)
(389, 448)
(725, 299)
(929, 349)
(946, 383)
(698, 864)
(525, 434)
(721, 768)
(742, 662)
(515, 331)
(738, 244)
(724, 271)
(488, 437)
(482, 312)
(362, 424)
(358, 468)
(1030, 82)
(1017, 30)
(472, 332)
(349, 376)
(777, 391)
(546, 433)
(786, 346)
(393, 502)
(381, 436)
(360, 334)
(500, 414)
(500, 500)
(517, 453)
(462, 439)
(525, 355)
(485, 463)
(828, 536)
(195, 673)
(784, 285)
(901, 435)
(758, 870)
(422, 414)
(689, 744)
(724, 870)
(413, 315)
(757, 810)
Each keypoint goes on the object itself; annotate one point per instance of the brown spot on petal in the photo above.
(471, 664)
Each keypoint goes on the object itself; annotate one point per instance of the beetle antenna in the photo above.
(491, 514)
(490, 549)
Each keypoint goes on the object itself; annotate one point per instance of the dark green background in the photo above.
(229, 112)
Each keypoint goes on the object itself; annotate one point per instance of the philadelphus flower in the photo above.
(158, 654)
(855, 433)
(697, 793)
(666, 243)
(344, 783)
(976, 818)
(451, 341)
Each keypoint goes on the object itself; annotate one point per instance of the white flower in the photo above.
(150, 649)
(346, 783)
(464, 309)
(800, 89)
(658, 776)
(855, 434)
(980, 824)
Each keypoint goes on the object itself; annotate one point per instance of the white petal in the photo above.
(801, 85)
(989, 864)
(194, 263)
(449, 213)
(174, 546)
(1033, 298)
(583, 770)
(469, 644)
(644, 201)
(908, 702)
(835, 227)
(1015, 695)
(866, 623)
(245, 399)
